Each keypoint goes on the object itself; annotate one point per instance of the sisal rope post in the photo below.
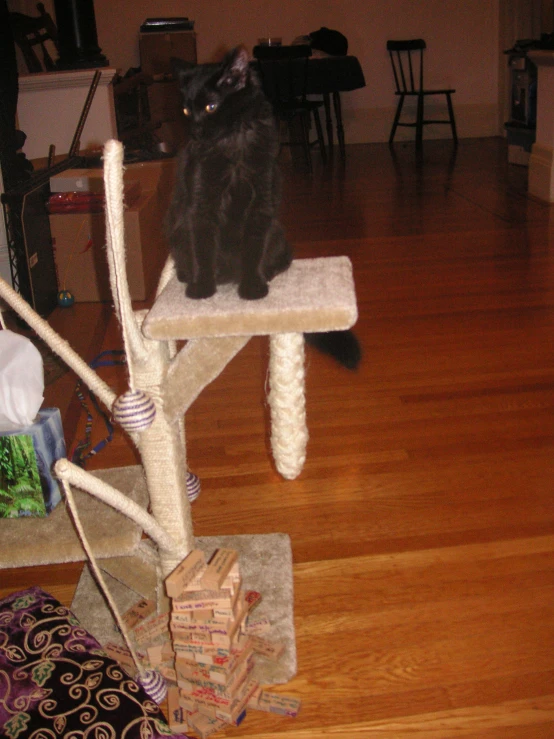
(289, 432)
(161, 441)
(115, 238)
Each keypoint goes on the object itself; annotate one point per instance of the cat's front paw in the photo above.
(253, 290)
(200, 290)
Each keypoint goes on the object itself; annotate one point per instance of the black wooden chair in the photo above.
(31, 31)
(407, 66)
(284, 73)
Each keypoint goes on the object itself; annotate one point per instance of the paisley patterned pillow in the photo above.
(57, 682)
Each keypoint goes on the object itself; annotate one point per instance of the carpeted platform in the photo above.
(38, 541)
(265, 564)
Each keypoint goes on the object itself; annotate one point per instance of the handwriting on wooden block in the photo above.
(186, 701)
(123, 656)
(269, 649)
(284, 705)
(177, 716)
(258, 627)
(200, 600)
(148, 630)
(218, 568)
(190, 567)
(138, 612)
(204, 725)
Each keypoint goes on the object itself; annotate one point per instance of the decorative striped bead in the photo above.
(193, 486)
(154, 685)
(134, 410)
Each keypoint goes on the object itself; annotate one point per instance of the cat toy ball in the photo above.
(154, 684)
(65, 298)
(134, 410)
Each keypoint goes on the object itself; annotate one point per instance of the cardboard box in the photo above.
(156, 50)
(27, 487)
(166, 108)
(79, 239)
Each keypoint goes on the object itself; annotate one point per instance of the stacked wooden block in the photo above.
(213, 654)
(206, 646)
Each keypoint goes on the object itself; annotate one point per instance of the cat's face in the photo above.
(213, 94)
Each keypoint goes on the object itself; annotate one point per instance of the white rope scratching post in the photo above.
(289, 432)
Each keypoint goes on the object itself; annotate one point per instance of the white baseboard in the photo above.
(372, 125)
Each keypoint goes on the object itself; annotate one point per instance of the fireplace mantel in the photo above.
(49, 106)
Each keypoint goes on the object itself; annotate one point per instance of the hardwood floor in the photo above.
(423, 524)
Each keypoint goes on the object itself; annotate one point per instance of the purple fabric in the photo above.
(56, 681)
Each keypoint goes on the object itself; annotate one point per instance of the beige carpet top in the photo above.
(36, 541)
(312, 295)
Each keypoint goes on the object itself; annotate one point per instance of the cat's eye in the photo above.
(186, 111)
(211, 107)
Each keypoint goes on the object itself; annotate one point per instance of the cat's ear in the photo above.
(236, 69)
(180, 68)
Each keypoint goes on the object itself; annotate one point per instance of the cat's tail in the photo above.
(341, 345)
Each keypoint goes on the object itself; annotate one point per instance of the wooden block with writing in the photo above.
(160, 653)
(177, 717)
(168, 672)
(190, 567)
(202, 615)
(284, 705)
(138, 612)
(269, 649)
(147, 631)
(186, 701)
(204, 725)
(201, 600)
(258, 627)
(123, 656)
(218, 568)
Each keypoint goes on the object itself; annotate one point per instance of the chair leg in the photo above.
(452, 119)
(338, 119)
(396, 118)
(304, 124)
(320, 139)
(328, 119)
(419, 121)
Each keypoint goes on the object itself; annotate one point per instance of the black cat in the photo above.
(222, 224)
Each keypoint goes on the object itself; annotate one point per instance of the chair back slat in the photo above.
(407, 67)
(407, 64)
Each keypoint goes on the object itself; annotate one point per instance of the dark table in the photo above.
(329, 76)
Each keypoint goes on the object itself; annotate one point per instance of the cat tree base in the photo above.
(265, 564)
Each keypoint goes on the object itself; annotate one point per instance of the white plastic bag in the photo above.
(21, 381)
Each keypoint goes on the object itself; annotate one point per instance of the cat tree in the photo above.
(313, 295)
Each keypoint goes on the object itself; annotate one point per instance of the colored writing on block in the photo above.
(191, 567)
(148, 630)
(138, 612)
(284, 705)
(218, 568)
